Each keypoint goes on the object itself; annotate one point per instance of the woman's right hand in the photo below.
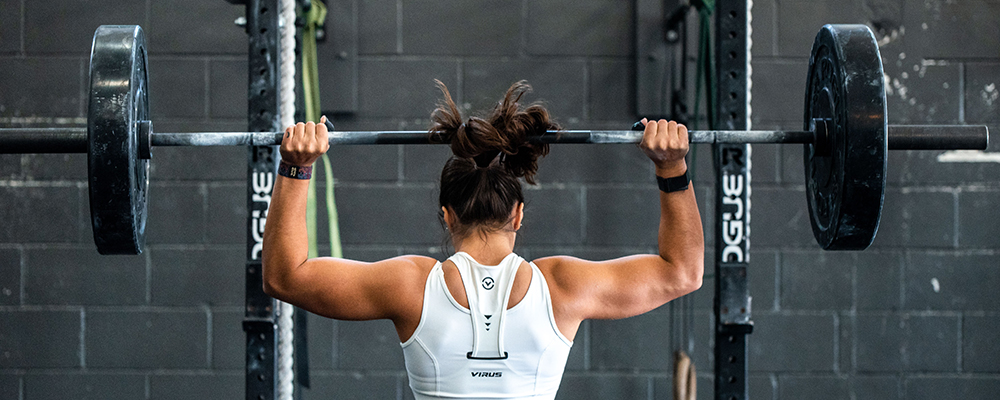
(666, 143)
(303, 143)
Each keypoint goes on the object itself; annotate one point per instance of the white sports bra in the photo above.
(486, 351)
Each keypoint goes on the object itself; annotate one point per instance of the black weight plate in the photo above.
(845, 186)
(119, 178)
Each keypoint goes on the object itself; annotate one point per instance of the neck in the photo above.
(488, 249)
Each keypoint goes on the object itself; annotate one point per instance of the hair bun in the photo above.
(503, 139)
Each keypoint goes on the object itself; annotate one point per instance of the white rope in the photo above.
(749, 110)
(286, 345)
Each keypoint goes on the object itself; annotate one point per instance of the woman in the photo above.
(484, 323)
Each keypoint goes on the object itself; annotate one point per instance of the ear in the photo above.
(447, 217)
(518, 215)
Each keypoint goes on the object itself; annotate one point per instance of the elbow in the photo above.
(695, 283)
(694, 276)
(273, 284)
(270, 289)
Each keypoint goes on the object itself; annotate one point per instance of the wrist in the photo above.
(672, 170)
(294, 171)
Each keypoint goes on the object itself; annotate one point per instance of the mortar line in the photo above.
(774, 385)
(958, 343)
(83, 338)
(400, 164)
(776, 302)
(955, 215)
(836, 343)
(586, 347)
(82, 211)
(902, 278)
(208, 89)
(149, 276)
(202, 189)
(587, 66)
(24, 275)
(334, 347)
(961, 92)
(23, 47)
(208, 340)
(399, 26)
(523, 51)
(583, 214)
(399, 388)
(854, 324)
(84, 82)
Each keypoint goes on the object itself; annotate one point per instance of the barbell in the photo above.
(845, 138)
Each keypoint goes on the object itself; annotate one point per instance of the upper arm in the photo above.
(355, 290)
(617, 288)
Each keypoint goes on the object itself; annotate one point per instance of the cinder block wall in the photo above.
(913, 317)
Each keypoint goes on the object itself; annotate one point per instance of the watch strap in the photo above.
(675, 184)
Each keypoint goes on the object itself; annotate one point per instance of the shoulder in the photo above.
(559, 270)
(410, 263)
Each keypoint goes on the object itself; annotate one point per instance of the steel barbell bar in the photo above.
(900, 137)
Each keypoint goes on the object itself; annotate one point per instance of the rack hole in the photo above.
(263, 10)
(732, 74)
(732, 379)
(264, 51)
(264, 30)
(732, 34)
(732, 55)
(263, 92)
(732, 14)
(732, 95)
(732, 115)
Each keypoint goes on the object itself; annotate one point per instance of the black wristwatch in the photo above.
(675, 184)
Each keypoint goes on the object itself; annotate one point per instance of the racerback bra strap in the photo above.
(488, 291)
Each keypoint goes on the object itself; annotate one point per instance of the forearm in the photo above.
(285, 235)
(681, 240)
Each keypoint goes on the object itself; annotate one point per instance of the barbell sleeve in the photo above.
(938, 137)
(43, 140)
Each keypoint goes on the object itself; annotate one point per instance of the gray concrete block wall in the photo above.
(913, 317)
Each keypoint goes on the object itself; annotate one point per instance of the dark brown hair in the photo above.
(480, 182)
